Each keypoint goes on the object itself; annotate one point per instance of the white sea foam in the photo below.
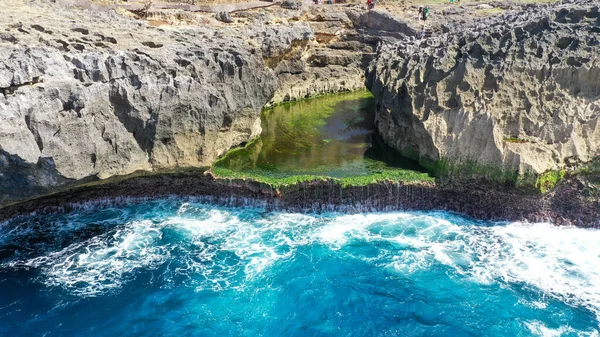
(560, 261)
(539, 329)
(103, 262)
(209, 248)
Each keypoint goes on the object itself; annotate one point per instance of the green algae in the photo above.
(380, 172)
(325, 138)
(461, 170)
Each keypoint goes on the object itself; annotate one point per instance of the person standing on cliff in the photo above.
(370, 4)
(425, 13)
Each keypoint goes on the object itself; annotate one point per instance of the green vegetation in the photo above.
(468, 170)
(378, 172)
(515, 140)
(456, 171)
(592, 172)
(592, 168)
(547, 180)
(326, 138)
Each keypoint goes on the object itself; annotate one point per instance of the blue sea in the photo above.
(180, 268)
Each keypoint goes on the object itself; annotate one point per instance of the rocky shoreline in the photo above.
(104, 94)
(570, 203)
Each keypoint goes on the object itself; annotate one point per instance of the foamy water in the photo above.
(171, 268)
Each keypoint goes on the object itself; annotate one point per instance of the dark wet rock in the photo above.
(224, 17)
(81, 30)
(152, 44)
(8, 37)
(291, 4)
(566, 205)
(38, 28)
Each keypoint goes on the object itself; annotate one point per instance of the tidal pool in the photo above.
(183, 268)
(332, 136)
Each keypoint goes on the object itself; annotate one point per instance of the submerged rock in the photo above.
(519, 91)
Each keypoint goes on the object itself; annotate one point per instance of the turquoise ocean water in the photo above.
(179, 268)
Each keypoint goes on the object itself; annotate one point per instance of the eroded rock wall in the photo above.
(94, 95)
(87, 94)
(519, 91)
(329, 49)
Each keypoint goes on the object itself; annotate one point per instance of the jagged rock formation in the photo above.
(97, 94)
(330, 50)
(84, 100)
(519, 91)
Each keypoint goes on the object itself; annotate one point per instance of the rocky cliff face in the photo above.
(330, 49)
(520, 91)
(95, 95)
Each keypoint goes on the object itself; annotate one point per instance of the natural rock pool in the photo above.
(183, 268)
(332, 136)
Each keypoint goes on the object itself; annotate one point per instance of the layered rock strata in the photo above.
(330, 50)
(519, 91)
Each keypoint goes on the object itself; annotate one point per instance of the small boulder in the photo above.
(224, 17)
(8, 37)
(291, 4)
(81, 30)
(38, 28)
(484, 6)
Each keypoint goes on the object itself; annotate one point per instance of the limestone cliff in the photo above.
(89, 92)
(519, 91)
(95, 94)
(330, 49)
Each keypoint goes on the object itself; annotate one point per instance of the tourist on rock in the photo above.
(420, 13)
(370, 4)
(425, 13)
